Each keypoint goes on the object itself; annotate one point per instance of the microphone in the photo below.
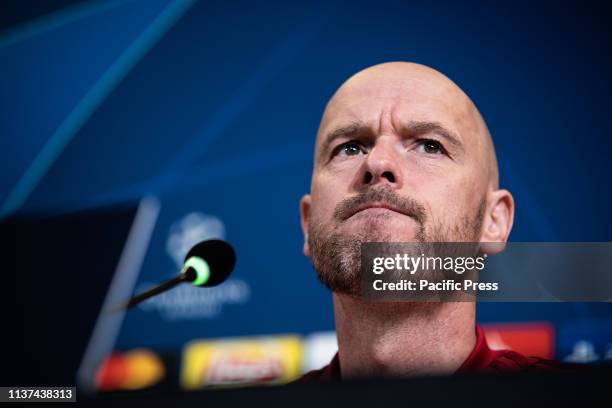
(207, 263)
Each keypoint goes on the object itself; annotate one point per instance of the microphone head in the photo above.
(212, 261)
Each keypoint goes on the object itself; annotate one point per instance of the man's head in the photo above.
(402, 155)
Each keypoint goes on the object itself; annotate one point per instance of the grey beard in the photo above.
(337, 259)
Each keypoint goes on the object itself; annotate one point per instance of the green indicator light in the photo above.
(200, 267)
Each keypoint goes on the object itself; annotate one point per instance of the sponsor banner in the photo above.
(241, 361)
(319, 349)
(586, 341)
(528, 338)
(130, 370)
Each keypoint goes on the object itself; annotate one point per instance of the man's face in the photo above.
(398, 158)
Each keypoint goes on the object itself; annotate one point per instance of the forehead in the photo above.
(373, 98)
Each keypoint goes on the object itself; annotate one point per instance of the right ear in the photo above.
(304, 214)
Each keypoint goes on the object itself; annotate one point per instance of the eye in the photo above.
(431, 146)
(348, 149)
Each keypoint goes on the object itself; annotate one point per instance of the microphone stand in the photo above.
(187, 275)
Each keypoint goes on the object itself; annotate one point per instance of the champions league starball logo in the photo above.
(186, 301)
(190, 230)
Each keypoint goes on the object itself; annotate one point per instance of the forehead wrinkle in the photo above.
(403, 80)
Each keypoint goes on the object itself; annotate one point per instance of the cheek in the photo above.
(326, 194)
(447, 199)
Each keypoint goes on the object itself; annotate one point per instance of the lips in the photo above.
(383, 206)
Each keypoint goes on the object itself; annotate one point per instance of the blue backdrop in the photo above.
(213, 107)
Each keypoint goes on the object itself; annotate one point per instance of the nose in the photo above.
(382, 166)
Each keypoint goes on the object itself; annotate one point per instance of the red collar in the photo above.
(478, 360)
(481, 355)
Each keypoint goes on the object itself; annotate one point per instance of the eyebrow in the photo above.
(418, 128)
(352, 129)
(410, 129)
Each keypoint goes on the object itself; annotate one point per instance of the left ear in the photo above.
(304, 215)
(498, 218)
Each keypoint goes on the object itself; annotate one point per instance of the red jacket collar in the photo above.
(481, 355)
(479, 359)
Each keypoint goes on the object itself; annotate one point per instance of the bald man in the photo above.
(403, 155)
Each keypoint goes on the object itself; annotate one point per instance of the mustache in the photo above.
(386, 195)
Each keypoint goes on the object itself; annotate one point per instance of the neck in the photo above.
(395, 339)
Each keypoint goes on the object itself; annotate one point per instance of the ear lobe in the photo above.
(498, 220)
(304, 216)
